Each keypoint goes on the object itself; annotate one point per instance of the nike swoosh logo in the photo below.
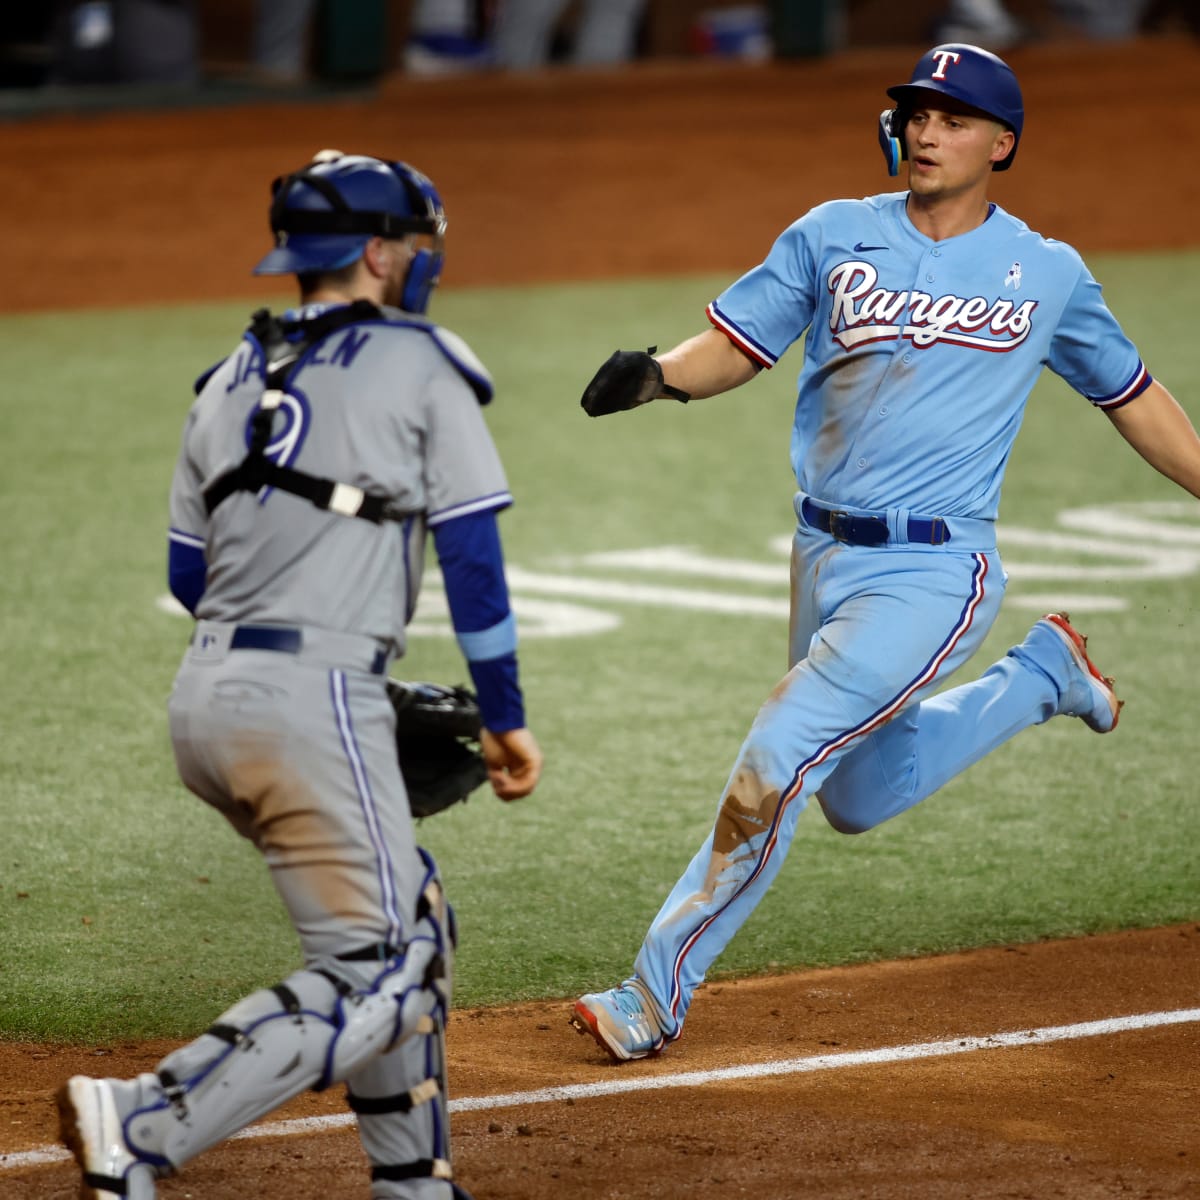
(859, 248)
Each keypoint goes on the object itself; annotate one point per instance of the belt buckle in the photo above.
(837, 530)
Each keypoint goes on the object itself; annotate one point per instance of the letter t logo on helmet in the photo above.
(967, 73)
(942, 57)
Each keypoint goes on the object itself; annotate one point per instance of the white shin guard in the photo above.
(320, 1026)
(399, 1099)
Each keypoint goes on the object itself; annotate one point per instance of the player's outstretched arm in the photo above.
(1156, 426)
(707, 365)
(514, 762)
(702, 366)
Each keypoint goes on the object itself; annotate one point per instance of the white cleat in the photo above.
(1091, 695)
(91, 1128)
(622, 1020)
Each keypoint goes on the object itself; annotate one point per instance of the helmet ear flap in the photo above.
(426, 266)
(968, 74)
(891, 138)
(422, 278)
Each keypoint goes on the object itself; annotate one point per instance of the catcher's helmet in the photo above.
(967, 73)
(324, 214)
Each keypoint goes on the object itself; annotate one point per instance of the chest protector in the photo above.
(284, 343)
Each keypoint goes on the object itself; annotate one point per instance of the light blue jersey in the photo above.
(901, 400)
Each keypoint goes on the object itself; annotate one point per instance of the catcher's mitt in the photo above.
(627, 379)
(437, 741)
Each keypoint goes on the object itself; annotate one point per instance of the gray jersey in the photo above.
(405, 422)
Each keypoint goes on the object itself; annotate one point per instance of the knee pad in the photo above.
(410, 994)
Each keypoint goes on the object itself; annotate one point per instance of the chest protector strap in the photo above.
(283, 344)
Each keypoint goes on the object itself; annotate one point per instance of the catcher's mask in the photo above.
(967, 73)
(323, 215)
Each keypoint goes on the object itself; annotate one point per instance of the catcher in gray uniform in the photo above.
(315, 460)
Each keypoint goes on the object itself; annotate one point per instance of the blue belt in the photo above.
(287, 641)
(871, 531)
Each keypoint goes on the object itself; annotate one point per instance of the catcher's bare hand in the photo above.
(514, 762)
(628, 379)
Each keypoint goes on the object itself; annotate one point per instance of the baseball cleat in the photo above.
(90, 1126)
(1089, 696)
(622, 1020)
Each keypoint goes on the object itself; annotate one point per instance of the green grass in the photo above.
(128, 909)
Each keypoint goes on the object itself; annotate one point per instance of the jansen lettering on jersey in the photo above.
(863, 313)
(247, 363)
(341, 353)
(944, 59)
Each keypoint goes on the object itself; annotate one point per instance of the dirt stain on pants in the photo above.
(746, 813)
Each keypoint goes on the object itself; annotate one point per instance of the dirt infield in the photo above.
(1080, 1118)
(673, 169)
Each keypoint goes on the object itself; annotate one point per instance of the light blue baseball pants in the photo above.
(859, 722)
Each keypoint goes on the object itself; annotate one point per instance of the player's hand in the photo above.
(514, 762)
(628, 379)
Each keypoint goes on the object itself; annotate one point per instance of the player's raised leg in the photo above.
(1048, 674)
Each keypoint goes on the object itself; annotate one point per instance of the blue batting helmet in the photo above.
(967, 73)
(323, 215)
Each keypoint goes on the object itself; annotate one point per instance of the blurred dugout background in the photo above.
(192, 45)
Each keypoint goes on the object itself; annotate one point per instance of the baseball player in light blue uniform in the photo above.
(930, 314)
(315, 463)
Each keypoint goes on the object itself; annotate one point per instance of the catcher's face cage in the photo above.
(324, 214)
(966, 73)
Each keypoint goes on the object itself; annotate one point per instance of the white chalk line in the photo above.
(690, 1079)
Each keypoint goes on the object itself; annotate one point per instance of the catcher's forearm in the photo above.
(187, 568)
(472, 562)
(496, 679)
